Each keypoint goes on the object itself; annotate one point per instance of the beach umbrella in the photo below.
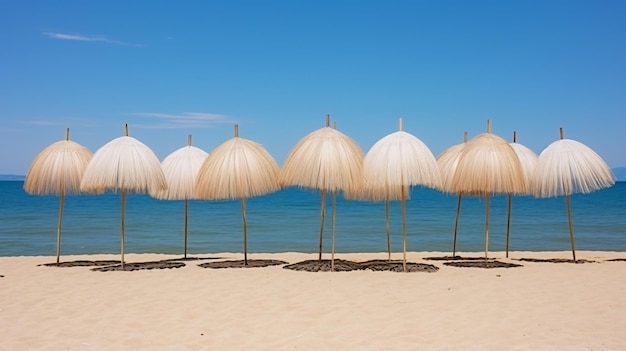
(394, 164)
(528, 161)
(180, 169)
(328, 160)
(58, 170)
(124, 165)
(568, 167)
(238, 169)
(447, 162)
(488, 165)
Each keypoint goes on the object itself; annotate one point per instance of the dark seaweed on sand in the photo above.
(482, 264)
(396, 266)
(240, 264)
(456, 258)
(82, 263)
(554, 260)
(165, 264)
(324, 266)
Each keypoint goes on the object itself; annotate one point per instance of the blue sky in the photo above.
(173, 68)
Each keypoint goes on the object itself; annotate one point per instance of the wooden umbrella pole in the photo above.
(245, 232)
(456, 224)
(334, 200)
(60, 222)
(322, 215)
(403, 231)
(123, 209)
(568, 198)
(488, 201)
(186, 221)
(388, 229)
(508, 225)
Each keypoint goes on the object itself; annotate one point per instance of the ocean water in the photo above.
(288, 220)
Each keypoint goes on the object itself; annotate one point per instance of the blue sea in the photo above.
(288, 220)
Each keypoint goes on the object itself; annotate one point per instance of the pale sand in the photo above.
(540, 306)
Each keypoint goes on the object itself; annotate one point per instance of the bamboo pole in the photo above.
(187, 209)
(60, 221)
(488, 200)
(388, 226)
(322, 215)
(508, 217)
(123, 209)
(403, 230)
(245, 231)
(508, 224)
(186, 220)
(334, 201)
(456, 224)
(568, 199)
(458, 211)
(61, 207)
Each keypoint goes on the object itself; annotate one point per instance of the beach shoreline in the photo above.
(540, 305)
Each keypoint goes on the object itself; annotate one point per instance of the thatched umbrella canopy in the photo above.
(58, 170)
(568, 167)
(238, 169)
(124, 164)
(528, 161)
(488, 165)
(181, 169)
(328, 160)
(394, 164)
(447, 162)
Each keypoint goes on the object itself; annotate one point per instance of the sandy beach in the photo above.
(539, 306)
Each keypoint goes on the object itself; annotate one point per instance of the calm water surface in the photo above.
(288, 220)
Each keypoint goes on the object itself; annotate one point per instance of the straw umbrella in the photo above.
(447, 162)
(124, 164)
(58, 169)
(238, 169)
(568, 167)
(528, 161)
(181, 168)
(488, 165)
(394, 164)
(330, 161)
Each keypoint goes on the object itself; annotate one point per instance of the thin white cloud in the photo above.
(42, 123)
(182, 120)
(78, 37)
(62, 122)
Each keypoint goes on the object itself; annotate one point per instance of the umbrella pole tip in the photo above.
(236, 130)
(126, 129)
(67, 134)
(400, 125)
(561, 133)
(189, 140)
(327, 120)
